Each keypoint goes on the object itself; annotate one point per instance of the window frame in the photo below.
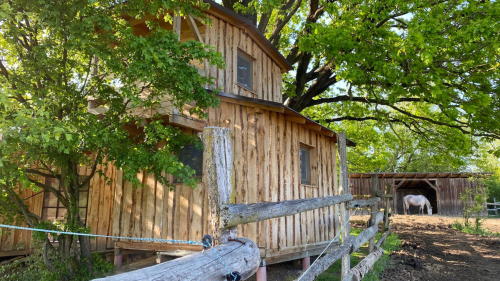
(306, 181)
(311, 165)
(199, 177)
(250, 59)
(59, 206)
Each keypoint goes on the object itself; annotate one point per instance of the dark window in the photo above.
(191, 156)
(305, 165)
(53, 209)
(245, 71)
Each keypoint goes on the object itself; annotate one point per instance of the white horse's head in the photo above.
(429, 211)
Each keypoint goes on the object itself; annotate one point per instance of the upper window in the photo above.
(305, 165)
(191, 156)
(245, 71)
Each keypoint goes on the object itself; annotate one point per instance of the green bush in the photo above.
(476, 230)
(33, 269)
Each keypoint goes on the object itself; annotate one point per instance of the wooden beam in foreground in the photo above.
(325, 262)
(235, 214)
(363, 203)
(244, 258)
(360, 270)
(368, 233)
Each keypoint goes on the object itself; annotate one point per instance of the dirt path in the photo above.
(432, 250)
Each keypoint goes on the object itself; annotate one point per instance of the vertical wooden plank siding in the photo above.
(228, 39)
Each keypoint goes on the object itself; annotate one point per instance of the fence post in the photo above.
(494, 206)
(219, 164)
(343, 189)
(373, 209)
(388, 191)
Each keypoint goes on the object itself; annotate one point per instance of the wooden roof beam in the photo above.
(314, 127)
(295, 119)
(194, 29)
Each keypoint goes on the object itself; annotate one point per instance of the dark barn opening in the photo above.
(416, 187)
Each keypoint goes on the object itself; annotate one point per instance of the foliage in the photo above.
(33, 269)
(473, 201)
(392, 243)
(416, 63)
(474, 230)
(413, 83)
(56, 56)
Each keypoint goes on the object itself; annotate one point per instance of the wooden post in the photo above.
(261, 274)
(495, 206)
(373, 209)
(177, 24)
(118, 258)
(343, 189)
(388, 191)
(219, 165)
(306, 263)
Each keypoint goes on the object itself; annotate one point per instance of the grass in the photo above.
(474, 230)
(392, 243)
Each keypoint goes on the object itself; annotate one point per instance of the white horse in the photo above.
(416, 200)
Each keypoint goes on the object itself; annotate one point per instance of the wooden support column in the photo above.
(219, 164)
(306, 263)
(118, 258)
(261, 274)
(388, 191)
(177, 25)
(373, 209)
(343, 189)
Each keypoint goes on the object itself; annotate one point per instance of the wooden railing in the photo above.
(242, 254)
(495, 205)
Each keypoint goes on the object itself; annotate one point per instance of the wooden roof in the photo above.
(417, 175)
(235, 19)
(290, 114)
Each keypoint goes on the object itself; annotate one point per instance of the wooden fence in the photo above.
(495, 205)
(242, 254)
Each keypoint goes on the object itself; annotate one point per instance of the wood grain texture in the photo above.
(244, 258)
(235, 214)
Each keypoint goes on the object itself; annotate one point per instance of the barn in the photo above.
(278, 155)
(441, 189)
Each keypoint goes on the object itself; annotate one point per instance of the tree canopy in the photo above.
(56, 56)
(422, 65)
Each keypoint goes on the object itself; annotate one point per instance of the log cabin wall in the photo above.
(266, 168)
(99, 214)
(229, 39)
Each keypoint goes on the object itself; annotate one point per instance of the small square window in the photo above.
(305, 165)
(191, 156)
(245, 71)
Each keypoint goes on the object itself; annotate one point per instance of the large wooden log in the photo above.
(218, 164)
(236, 214)
(344, 189)
(359, 271)
(368, 233)
(244, 258)
(363, 203)
(325, 262)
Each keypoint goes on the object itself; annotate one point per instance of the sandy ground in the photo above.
(432, 250)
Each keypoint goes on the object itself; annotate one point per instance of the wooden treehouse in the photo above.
(277, 155)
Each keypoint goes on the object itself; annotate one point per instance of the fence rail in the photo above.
(494, 204)
(242, 254)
